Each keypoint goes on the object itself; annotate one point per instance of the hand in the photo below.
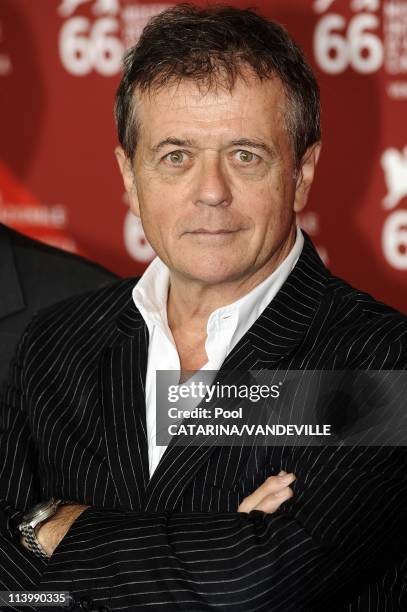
(270, 495)
(50, 533)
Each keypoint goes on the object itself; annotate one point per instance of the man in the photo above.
(218, 120)
(34, 275)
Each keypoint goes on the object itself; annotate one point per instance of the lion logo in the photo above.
(394, 164)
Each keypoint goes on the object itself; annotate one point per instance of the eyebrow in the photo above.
(253, 144)
(241, 142)
(178, 142)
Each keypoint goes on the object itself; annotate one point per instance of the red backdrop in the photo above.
(59, 69)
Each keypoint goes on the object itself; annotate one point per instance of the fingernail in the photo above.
(281, 473)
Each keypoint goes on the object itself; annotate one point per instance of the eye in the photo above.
(246, 156)
(175, 157)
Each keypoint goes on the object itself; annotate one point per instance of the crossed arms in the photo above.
(266, 498)
(347, 513)
(281, 561)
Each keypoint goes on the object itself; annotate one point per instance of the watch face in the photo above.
(38, 509)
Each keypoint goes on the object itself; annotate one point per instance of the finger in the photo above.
(271, 503)
(273, 484)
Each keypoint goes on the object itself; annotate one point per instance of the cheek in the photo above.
(271, 215)
(273, 188)
(149, 200)
(158, 217)
(267, 204)
(276, 198)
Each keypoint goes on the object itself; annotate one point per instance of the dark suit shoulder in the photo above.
(40, 258)
(33, 276)
(365, 327)
(365, 308)
(91, 313)
(76, 330)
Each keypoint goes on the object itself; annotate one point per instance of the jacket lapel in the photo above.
(275, 335)
(122, 372)
(287, 319)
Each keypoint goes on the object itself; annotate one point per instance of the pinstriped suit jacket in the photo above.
(73, 426)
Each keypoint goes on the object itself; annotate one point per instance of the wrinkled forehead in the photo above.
(251, 108)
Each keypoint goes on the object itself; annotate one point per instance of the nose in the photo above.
(212, 188)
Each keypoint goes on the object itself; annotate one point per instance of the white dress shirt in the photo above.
(225, 327)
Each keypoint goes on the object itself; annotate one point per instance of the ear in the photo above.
(129, 179)
(306, 176)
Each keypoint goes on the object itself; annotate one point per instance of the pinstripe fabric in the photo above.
(73, 425)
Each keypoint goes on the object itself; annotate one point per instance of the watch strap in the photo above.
(32, 542)
(30, 535)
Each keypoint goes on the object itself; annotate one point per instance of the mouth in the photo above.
(208, 232)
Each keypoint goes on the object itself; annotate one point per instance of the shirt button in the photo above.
(86, 603)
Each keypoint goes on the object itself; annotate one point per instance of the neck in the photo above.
(190, 303)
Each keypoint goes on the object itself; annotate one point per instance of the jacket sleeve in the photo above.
(346, 520)
(233, 561)
(19, 486)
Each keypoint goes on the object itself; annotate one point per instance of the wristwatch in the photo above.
(32, 519)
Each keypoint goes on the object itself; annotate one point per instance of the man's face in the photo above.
(213, 179)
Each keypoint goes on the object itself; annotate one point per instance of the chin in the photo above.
(212, 275)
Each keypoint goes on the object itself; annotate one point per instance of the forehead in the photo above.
(252, 108)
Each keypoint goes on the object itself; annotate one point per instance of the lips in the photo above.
(202, 230)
